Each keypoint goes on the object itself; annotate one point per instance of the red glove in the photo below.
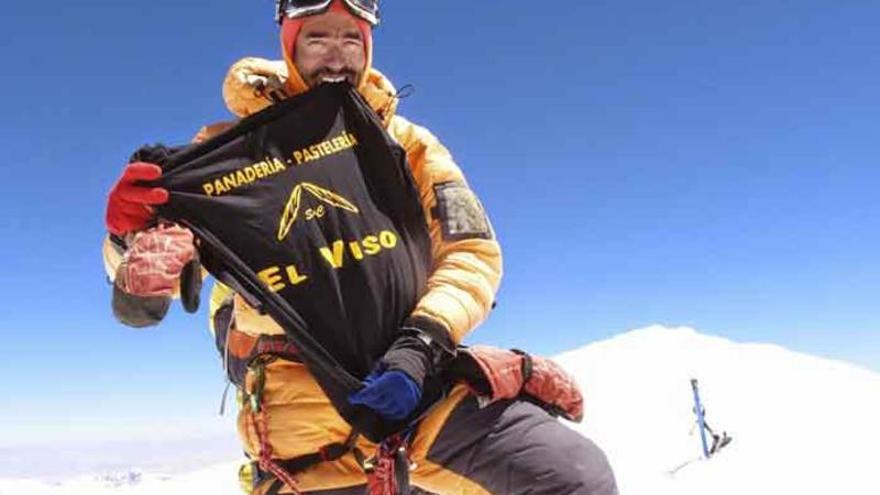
(129, 206)
(155, 260)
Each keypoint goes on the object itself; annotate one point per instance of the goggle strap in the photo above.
(371, 16)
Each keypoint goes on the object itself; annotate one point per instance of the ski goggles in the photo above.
(367, 10)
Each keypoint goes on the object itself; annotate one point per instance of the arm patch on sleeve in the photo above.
(460, 212)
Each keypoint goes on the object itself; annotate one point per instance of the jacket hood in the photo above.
(253, 84)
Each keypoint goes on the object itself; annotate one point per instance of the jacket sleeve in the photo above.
(466, 257)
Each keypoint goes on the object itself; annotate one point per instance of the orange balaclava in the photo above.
(290, 31)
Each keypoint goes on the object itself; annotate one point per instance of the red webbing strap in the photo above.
(266, 462)
(382, 480)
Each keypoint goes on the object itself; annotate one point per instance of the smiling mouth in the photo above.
(327, 77)
(334, 79)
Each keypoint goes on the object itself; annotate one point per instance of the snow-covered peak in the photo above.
(800, 423)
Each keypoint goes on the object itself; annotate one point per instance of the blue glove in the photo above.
(392, 394)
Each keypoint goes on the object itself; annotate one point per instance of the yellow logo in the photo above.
(294, 204)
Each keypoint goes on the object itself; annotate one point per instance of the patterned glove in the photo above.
(496, 374)
(155, 260)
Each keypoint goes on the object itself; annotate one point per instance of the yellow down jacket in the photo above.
(460, 289)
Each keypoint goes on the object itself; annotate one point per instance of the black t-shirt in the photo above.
(309, 209)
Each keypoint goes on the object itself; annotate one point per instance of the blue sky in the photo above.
(711, 164)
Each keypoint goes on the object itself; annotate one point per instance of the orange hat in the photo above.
(290, 31)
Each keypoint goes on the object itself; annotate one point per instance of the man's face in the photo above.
(330, 47)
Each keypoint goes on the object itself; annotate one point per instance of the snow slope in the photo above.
(220, 479)
(800, 424)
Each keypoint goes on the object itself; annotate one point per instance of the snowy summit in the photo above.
(800, 424)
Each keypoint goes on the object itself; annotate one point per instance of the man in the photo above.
(298, 441)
